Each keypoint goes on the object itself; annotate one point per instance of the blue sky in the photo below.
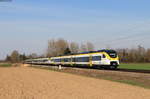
(27, 25)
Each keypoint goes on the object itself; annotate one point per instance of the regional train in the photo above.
(101, 58)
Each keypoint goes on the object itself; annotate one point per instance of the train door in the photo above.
(90, 61)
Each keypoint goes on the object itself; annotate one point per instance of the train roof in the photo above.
(88, 52)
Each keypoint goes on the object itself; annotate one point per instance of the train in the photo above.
(101, 58)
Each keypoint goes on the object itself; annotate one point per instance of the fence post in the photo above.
(59, 67)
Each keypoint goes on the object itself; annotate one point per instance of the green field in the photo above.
(5, 64)
(139, 66)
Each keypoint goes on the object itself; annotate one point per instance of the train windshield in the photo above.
(111, 53)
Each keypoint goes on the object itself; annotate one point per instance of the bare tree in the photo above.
(15, 56)
(8, 58)
(62, 45)
(83, 48)
(87, 47)
(139, 54)
(33, 55)
(74, 47)
(52, 48)
(56, 47)
(22, 57)
(90, 46)
(67, 51)
(147, 55)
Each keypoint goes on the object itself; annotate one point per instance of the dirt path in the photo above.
(31, 83)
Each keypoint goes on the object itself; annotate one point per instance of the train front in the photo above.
(112, 58)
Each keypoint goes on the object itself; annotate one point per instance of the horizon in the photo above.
(27, 26)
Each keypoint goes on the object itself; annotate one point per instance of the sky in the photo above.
(27, 25)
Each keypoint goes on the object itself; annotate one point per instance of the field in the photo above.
(131, 76)
(5, 64)
(32, 83)
(138, 66)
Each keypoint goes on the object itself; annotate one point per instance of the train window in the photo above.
(82, 59)
(73, 60)
(67, 59)
(62, 60)
(104, 56)
(57, 60)
(85, 59)
(112, 53)
(76, 59)
(45, 60)
(96, 58)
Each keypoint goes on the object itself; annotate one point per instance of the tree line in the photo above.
(62, 47)
(16, 57)
(134, 55)
(55, 47)
(59, 47)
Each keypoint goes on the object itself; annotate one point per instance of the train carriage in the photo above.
(101, 58)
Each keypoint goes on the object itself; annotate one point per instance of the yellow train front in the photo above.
(101, 58)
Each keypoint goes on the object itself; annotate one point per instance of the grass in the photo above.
(138, 66)
(130, 82)
(5, 64)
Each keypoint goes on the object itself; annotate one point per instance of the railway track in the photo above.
(119, 69)
(132, 70)
(123, 70)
